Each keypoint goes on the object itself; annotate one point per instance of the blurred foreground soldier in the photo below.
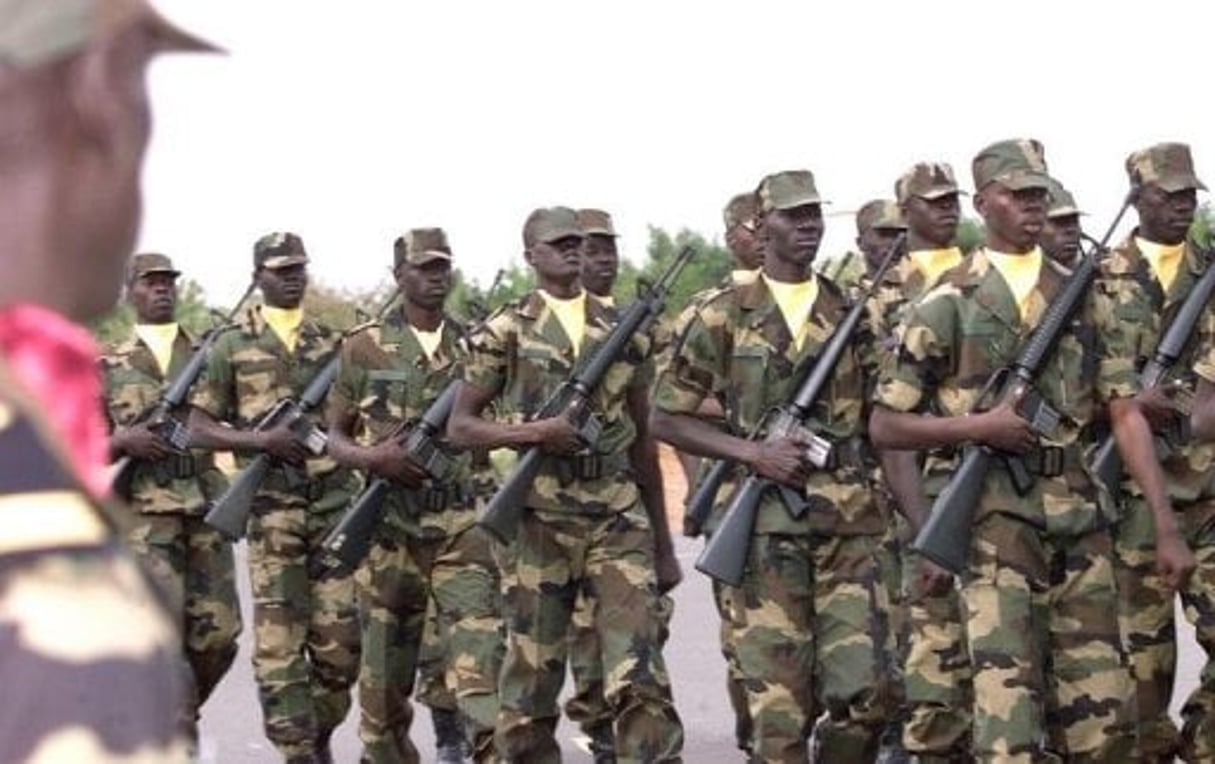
(1060, 239)
(427, 547)
(90, 660)
(586, 526)
(808, 640)
(878, 223)
(306, 651)
(1147, 277)
(1038, 590)
(169, 489)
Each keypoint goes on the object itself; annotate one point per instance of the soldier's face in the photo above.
(1014, 218)
(744, 245)
(600, 263)
(1061, 239)
(793, 236)
(426, 285)
(558, 261)
(1165, 216)
(154, 298)
(874, 243)
(933, 220)
(283, 287)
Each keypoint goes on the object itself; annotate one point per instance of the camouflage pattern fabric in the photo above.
(738, 350)
(951, 342)
(846, 270)
(433, 690)
(306, 631)
(1140, 312)
(189, 560)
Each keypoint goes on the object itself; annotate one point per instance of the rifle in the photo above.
(1107, 464)
(724, 557)
(945, 537)
(573, 398)
(160, 416)
(230, 513)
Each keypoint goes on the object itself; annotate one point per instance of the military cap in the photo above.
(1062, 203)
(786, 190)
(1168, 165)
(419, 246)
(1015, 164)
(147, 263)
(36, 33)
(879, 213)
(927, 180)
(740, 210)
(548, 224)
(279, 250)
(595, 222)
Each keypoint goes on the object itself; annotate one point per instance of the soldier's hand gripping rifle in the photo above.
(1107, 464)
(573, 399)
(230, 513)
(724, 557)
(161, 417)
(945, 537)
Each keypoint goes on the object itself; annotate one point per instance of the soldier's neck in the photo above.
(425, 319)
(562, 291)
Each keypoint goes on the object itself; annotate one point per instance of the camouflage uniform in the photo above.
(306, 648)
(427, 548)
(809, 640)
(189, 559)
(1142, 311)
(584, 528)
(1039, 597)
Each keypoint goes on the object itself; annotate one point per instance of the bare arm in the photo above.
(783, 459)
(466, 428)
(901, 471)
(643, 456)
(1001, 428)
(1202, 421)
(208, 434)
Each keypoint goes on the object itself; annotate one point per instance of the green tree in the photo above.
(709, 267)
(971, 234)
(1202, 230)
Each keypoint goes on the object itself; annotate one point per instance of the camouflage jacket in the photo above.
(250, 369)
(523, 355)
(738, 350)
(845, 271)
(86, 643)
(134, 384)
(1141, 312)
(902, 285)
(387, 378)
(961, 332)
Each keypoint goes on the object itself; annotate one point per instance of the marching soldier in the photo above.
(1060, 239)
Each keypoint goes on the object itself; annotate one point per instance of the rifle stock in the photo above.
(724, 557)
(699, 504)
(955, 510)
(230, 513)
(348, 542)
(505, 509)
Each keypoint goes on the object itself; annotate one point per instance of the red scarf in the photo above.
(55, 361)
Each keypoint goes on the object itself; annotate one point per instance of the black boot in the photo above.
(450, 745)
(603, 743)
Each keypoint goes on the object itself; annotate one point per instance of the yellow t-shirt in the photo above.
(609, 300)
(931, 263)
(428, 340)
(795, 301)
(159, 338)
(285, 322)
(1164, 258)
(571, 314)
(1020, 272)
(744, 275)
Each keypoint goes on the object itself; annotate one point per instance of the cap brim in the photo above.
(598, 232)
(1181, 183)
(940, 191)
(173, 38)
(149, 271)
(429, 256)
(891, 225)
(1063, 212)
(284, 261)
(799, 202)
(1019, 181)
(561, 233)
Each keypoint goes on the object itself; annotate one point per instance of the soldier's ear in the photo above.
(979, 200)
(527, 255)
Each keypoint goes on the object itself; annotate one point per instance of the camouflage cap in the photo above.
(548, 224)
(35, 33)
(1062, 203)
(786, 190)
(879, 213)
(419, 246)
(595, 222)
(1167, 165)
(927, 180)
(147, 263)
(279, 250)
(740, 210)
(1015, 164)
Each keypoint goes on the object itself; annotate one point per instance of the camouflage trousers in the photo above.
(432, 690)
(554, 557)
(306, 645)
(1150, 633)
(810, 643)
(1050, 675)
(193, 564)
(397, 582)
(731, 614)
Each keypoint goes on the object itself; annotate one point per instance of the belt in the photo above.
(567, 469)
(1052, 461)
(175, 467)
(852, 453)
(439, 498)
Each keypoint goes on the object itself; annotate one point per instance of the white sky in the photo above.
(349, 122)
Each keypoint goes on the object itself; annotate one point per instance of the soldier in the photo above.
(90, 660)
(1038, 592)
(170, 490)
(878, 223)
(1060, 239)
(1147, 277)
(306, 650)
(809, 639)
(586, 526)
(427, 547)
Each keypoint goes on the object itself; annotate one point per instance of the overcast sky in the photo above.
(350, 122)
